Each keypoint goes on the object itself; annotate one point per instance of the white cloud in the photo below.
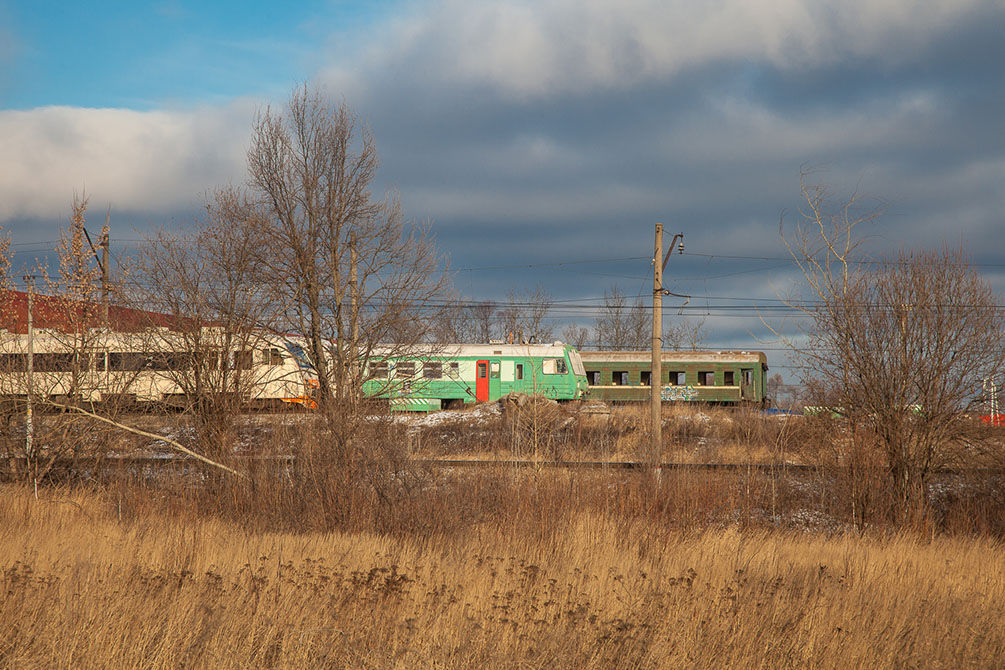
(141, 161)
(534, 49)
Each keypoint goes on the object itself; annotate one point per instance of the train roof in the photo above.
(472, 350)
(675, 356)
(66, 315)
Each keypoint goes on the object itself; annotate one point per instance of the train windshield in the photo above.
(300, 355)
(577, 363)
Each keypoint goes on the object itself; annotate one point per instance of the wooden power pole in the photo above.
(29, 426)
(106, 288)
(656, 367)
(355, 375)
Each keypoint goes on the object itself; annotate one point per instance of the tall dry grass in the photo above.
(691, 434)
(82, 588)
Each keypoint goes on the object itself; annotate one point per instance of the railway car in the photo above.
(143, 367)
(454, 375)
(725, 377)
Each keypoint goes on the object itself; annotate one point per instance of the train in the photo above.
(144, 367)
(150, 367)
(154, 366)
(454, 375)
(720, 377)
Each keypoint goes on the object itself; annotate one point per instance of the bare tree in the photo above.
(464, 322)
(60, 365)
(685, 335)
(344, 268)
(900, 344)
(484, 317)
(774, 388)
(522, 317)
(205, 282)
(622, 325)
(576, 335)
(74, 294)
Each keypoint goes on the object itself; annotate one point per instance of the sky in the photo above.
(543, 140)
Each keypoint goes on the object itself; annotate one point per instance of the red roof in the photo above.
(66, 315)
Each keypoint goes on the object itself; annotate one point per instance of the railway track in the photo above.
(10, 466)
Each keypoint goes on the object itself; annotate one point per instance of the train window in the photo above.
(183, 361)
(593, 378)
(159, 361)
(676, 378)
(706, 378)
(519, 371)
(455, 370)
(404, 369)
(52, 362)
(554, 366)
(432, 370)
(646, 377)
(619, 378)
(126, 361)
(482, 371)
(272, 356)
(748, 376)
(243, 360)
(727, 378)
(13, 362)
(378, 370)
(179, 360)
(494, 370)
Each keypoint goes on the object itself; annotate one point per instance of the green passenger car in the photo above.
(728, 377)
(453, 375)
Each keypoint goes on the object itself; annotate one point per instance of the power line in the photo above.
(863, 261)
(555, 264)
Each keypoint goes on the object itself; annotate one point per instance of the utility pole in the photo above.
(29, 428)
(105, 287)
(355, 380)
(656, 367)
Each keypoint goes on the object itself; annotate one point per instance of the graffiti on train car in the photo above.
(677, 393)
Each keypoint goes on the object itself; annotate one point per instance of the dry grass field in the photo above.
(379, 562)
(546, 430)
(84, 587)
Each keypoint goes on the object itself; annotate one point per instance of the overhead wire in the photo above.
(594, 306)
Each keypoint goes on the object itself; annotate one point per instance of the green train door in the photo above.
(495, 383)
(746, 384)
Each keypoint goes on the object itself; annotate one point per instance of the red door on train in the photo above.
(482, 381)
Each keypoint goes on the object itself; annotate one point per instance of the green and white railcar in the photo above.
(454, 375)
